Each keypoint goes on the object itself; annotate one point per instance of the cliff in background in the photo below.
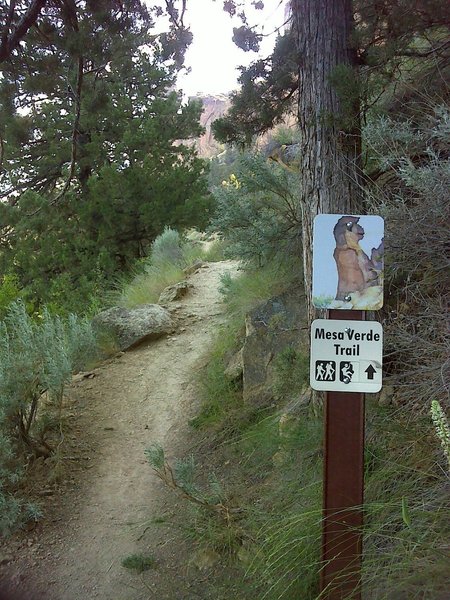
(214, 106)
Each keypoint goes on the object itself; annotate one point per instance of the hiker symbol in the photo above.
(325, 370)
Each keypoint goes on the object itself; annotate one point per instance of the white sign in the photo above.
(346, 356)
(348, 262)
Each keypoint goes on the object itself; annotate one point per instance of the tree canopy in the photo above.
(399, 45)
(93, 164)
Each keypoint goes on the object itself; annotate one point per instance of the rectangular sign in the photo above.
(346, 356)
(348, 262)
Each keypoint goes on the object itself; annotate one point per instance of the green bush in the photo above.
(258, 212)
(169, 255)
(255, 285)
(167, 248)
(37, 359)
(9, 291)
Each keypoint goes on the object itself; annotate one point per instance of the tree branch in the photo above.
(10, 42)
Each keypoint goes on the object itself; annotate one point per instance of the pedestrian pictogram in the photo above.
(346, 371)
(325, 370)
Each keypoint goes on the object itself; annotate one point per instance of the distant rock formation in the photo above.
(214, 106)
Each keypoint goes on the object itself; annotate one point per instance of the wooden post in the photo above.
(343, 488)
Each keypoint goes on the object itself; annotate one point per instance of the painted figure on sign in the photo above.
(329, 372)
(346, 372)
(320, 372)
(356, 271)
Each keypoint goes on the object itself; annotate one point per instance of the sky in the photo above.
(212, 56)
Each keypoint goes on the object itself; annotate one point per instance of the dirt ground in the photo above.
(105, 506)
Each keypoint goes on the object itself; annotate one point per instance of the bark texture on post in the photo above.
(329, 156)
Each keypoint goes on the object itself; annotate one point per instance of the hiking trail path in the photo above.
(107, 508)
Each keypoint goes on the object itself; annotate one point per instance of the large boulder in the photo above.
(132, 326)
(271, 327)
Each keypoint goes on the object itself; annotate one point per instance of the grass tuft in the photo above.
(139, 562)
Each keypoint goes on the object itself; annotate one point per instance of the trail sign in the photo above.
(346, 356)
(348, 262)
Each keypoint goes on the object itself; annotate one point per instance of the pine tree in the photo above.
(93, 166)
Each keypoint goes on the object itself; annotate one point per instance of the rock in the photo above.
(5, 558)
(270, 328)
(198, 264)
(132, 326)
(174, 292)
(235, 366)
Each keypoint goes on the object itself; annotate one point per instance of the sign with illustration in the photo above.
(348, 262)
(346, 356)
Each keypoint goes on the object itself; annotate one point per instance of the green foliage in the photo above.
(215, 250)
(257, 212)
(9, 291)
(139, 562)
(88, 195)
(398, 46)
(167, 248)
(411, 192)
(37, 359)
(267, 93)
(255, 285)
(406, 509)
(217, 391)
(283, 473)
(292, 373)
(169, 255)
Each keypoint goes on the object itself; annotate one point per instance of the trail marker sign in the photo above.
(346, 356)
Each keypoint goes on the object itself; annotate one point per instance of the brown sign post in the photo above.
(346, 361)
(343, 489)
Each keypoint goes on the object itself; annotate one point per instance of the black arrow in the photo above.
(370, 372)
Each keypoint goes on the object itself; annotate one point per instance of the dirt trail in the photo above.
(146, 395)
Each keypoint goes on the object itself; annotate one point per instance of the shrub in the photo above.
(37, 359)
(257, 211)
(412, 195)
(169, 255)
(9, 291)
(167, 248)
(256, 285)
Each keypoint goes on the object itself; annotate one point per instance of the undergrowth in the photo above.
(169, 255)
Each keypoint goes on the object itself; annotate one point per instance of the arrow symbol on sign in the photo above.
(370, 372)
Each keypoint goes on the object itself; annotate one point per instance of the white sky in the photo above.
(212, 56)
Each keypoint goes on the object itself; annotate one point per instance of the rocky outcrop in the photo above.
(214, 106)
(174, 292)
(132, 326)
(270, 328)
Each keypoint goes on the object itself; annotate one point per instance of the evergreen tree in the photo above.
(340, 57)
(93, 164)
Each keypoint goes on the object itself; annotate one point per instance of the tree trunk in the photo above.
(330, 141)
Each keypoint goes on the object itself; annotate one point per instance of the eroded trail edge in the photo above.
(144, 396)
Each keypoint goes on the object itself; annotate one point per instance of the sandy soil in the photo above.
(106, 508)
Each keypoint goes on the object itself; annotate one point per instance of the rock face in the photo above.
(270, 328)
(214, 106)
(132, 326)
(174, 292)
